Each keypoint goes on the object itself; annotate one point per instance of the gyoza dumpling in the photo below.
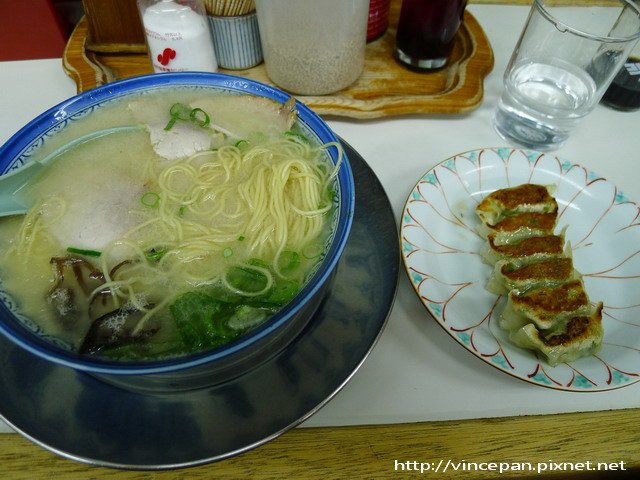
(523, 225)
(527, 275)
(547, 308)
(539, 247)
(582, 336)
(507, 202)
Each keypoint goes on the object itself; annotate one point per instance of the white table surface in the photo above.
(416, 372)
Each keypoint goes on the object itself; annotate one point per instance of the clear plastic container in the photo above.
(313, 47)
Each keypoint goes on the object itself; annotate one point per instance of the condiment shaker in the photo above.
(178, 35)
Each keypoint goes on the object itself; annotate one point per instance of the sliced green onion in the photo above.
(241, 238)
(150, 199)
(198, 112)
(297, 137)
(257, 262)
(227, 252)
(312, 250)
(171, 123)
(241, 143)
(82, 251)
(180, 111)
(155, 254)
(288, 261)
(181, 210)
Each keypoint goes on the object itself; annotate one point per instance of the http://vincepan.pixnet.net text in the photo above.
(449, 465)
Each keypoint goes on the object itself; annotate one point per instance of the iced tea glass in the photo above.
(564, 61)
(426, 32)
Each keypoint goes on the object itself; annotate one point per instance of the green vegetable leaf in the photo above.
(282, 292)
(201, 321)
(246, 279)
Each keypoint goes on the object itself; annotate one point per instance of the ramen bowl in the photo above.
(51, 131)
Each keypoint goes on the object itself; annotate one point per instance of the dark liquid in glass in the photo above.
(426, 31)
(624, 92)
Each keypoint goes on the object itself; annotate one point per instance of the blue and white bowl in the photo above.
(219, 364)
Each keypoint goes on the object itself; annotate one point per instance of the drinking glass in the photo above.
(564, 61)
(426, 32)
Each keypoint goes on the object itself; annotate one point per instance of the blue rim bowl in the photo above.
(17, 150)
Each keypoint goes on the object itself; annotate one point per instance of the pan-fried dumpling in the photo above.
(516, 227)
(537, 247)
(582, 336)
(507, 202)
(527, 275)
(546, 307)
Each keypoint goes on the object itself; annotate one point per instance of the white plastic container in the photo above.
(313, 47)
(178, 36)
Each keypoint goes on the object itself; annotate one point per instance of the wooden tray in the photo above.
(384, 88)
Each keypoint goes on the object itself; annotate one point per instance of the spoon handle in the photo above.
(12, 182)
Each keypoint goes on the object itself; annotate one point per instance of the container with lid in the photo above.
(236, 39)
(312, 47)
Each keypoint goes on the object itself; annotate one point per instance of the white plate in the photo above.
(440, 251)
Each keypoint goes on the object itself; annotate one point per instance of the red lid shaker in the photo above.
(378, 18)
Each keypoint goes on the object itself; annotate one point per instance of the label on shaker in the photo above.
(178, 44)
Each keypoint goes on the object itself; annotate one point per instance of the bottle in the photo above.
(178, 35)
(426, 32)
(624, 91)
(378, 19)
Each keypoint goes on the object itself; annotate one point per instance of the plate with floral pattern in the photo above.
(440, 250)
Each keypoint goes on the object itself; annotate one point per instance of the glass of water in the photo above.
(564, 61)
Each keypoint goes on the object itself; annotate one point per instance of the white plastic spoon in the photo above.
(13, 181)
